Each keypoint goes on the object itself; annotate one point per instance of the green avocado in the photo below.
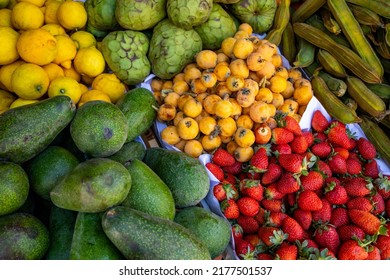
(130, 151)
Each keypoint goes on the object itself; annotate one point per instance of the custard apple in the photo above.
(189, 13)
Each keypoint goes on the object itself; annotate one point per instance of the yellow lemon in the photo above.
(37, 46)
(110, 85)
(72, 15)
(71, 72)
(30, 81)
(8, 51)
(65, 86)
(83, 39)
(51, 11)
(4, 3)
(83, 88)
(26, 16)
(54, 29)
(5, 18)
(53, 71)
(6, 73)
(38, 3)
(89, 61)
(87, 80)
(93, 94)
(21, 102)
(66, 51)
(6, 98)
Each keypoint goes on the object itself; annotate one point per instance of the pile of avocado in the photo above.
(78, 184)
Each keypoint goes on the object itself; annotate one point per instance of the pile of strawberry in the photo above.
(315, 194)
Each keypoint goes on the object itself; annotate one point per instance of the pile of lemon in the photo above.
(45, 51)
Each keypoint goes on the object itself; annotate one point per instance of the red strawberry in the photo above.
(357, 186)
(337, 134)
(341, 151)
(287, 252)
(326, 236)
(259, 161)
(387, 207)
(244, 250)
(353, 166)
(253, 239)
(382, 185)
(374, 253)
(351, 250)
(309, 201)
(252, 188)
(312, 181)
(219, 192)
(339, 217)
(275, 219)
(224, 191)
(287, 183)
(282, 149)
(379, 204)
(261, 216)
(299, 145)
(215, 170)
(273, 205)
(248, 224)
(234, 169)
(271, 236)
(366, 148)
(347, 232)
(265, 256)
(303, 217)
(319, 122)
(336, 194)
(272, 174)
(360, 203)
(322, 149)
(293, 229)
(292, 162)
(320, 137)
(292, 125)
(371, 169)
(368, 222)
(383, 243)
(324, 214)
(230, 209)
(248, 206)
(352, 144)
(281, 135)
(324, 168)
(337, 164)
(271, 192)
(237, 231)
(222, 158)
(309, 137)
(230, 179)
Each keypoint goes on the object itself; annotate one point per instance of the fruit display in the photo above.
(269, 120)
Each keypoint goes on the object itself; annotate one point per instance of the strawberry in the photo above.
(219, 192)
(273, 205)
(271, 192)
(237, 231)
(320, 137)
(321, 150)
(357, 186)
(383, 243)
(287, 183)
(292, 162)
(324, 214)
(366, 148)
(292, 125)
(387, 207)
(337, 164)
(341, 151)
(229, 179)
(248, 206)
(379, 204)
(374, 253)
(275, 219)
(324, 168)
(293, 229)
(360, 203)
(271, 236)
(248, 224)
(259, 161)
(353, 166)
(299, 145)
(309, 201)
(262, 216)
(281, 149)
(281, 135)
(326, 236)
(382, 185)
(287, 252)
(336, 194)
(222, 158)
(371, 169)
(230, 209)
(265, 256)
(244, 249)
(303, 217)
(351, 250)
(272, 174)
(347, 232)
(319, 122)
(339, 217)
(234, 169)
(309, 137)
(224, 191)
(337, 134)
(312, 181)
(367, 221)
(215, 170)
(252, 188)
(253, 239)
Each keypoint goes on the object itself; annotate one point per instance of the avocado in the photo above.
(26, 131)
(129, 151)
(99, 128)
(14, 187)
(89, 240)
(185, 176)
(48, 168)
(141, 236)
(138, 107)
(211, 229)
(148, 192)
(22, 237)
(61, 228)
(92, 186)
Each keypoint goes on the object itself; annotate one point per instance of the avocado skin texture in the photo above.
(185, 176)
(14, 187)
(148, 192)
(141, 236)
(27, 130)
(89, 240)
(99, 129)
(93, 186)
(137, 106)
(22, 237)
(210, 228)
(130, 151)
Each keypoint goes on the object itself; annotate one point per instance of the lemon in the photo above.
(65, 86)
(71, 72)
(8, 51)
(5, 18)
(66, 51)
(72, 15)
(21, 102)
(53, 71)
(51, 11)
(30, 81)
(93, 94)
(54, 29)
(26, 16)
(110, 85)
(83, 88)
(38, 3)
(83, 39)
(37, 46)
(6, 73)
(87, 80)
(89, 61)
(6, 99)
(3, 3)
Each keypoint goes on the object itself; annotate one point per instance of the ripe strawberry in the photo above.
(379, 204)
(248, 206)
(309, 137)
(320, 137)
(337, 164)
(292, 162)
(319, 122)
(309, 201)
(299, 145)
(281, 149)
(219, 192)
(273, 205)
(265, 256)
(252, 188)
(287, 183)
(244, 250)
(336, 194)
(371, 169)
(287, 252)
(229, 179)
(339, 217)
(224, 191)
(237, 231)
(281, 135)
(326, 236)
(357, 186)
(353, 166)
(215, 170)
(259, 161)
(293, 229)
(387, 207)
(312, 181)
(324, 214)
(347, 232)
(253, 239)
(222, 158)
(230, 209)
(303, 217)
(351, 250)
(275, 219)
(366, 148)
(324, 168)
(271, 192)
(341, 151)
(234, 169)
(272, 174)
(382, 185)
(383, 243)
(271, 236)
(248, 224)
(368, 222)
(360, 203)
(261, 216)
(292, 125)
(352, 144)
(374, 253)
(322, 149)
(337, 134)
